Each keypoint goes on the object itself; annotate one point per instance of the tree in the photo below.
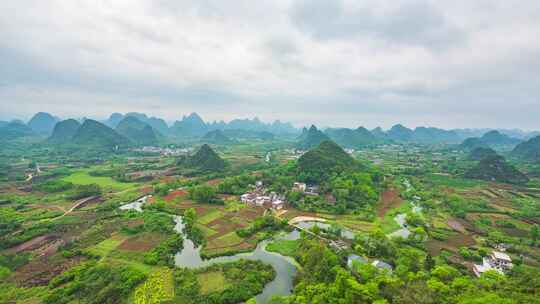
(202, 194)
(190, 217)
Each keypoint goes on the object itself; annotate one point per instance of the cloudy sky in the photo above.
(335, 63)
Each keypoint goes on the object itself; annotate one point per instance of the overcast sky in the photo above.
(334, 63)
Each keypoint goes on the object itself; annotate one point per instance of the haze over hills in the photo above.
(137, 132)
(95, 134)
(310, 138)
(194, 127)
(353, 139)
(64, 131)
(217, 137)
(528, 150)
(43, 123)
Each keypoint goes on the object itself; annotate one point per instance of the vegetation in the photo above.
(222, 283)
(495, 168)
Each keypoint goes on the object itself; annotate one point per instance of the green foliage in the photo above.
(204, 194)
(264, 223)
(236, 185)
(94, 283)
(243, 280)
(163, 255)
(82, 191)
(54, 186)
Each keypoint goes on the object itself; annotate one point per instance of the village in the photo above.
(260, 197)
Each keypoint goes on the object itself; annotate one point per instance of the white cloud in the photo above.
(341, 62)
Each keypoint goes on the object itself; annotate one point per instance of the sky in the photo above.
(341, 63)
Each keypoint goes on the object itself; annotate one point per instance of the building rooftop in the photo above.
(501, 256)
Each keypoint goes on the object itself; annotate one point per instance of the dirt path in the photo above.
(77, 205)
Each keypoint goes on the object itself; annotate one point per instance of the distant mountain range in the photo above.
(194, 127)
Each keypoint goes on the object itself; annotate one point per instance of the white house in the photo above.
(261, 200)
(498, 261)
(277, 204)
(299, 186)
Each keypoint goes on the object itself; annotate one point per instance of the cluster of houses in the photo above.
(498, 261)
(260, 197)
(164, 151)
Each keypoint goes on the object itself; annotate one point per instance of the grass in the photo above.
(105, 247)
(207, 232)
(283, 247)
(453, 182)
(388, 223)
(227, 240)
(209, 217)
(81, 177)
(211, 282)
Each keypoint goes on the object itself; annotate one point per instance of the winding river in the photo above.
(285, 267)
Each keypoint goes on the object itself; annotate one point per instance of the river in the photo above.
(285, 267)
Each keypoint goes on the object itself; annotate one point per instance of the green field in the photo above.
(212, 282)
(81, 177)
(207, 218)
(283, 247)
(227, 240)
(454, 182)
(105, 247)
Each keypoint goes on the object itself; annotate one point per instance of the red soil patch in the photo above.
(32, 244)
(214, 182)
(141, 243)
(456, 225)
(146, 190)
(452, 244)
(389, 200)
(40, 271)
(175, 194)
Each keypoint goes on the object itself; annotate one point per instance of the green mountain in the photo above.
(352, 139)
(95, 134)
(190, 126)
(204, 160)
(319, 163)
(495, 168)
(311, 138)
(400, 133)
(14, 130)
(497, 138)
(481, 153)
(64, 131)
(472, 143)
(42, 123)
(140, 133)
(217, 137)
(528, 151)
(379, 133)
(434, 135)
